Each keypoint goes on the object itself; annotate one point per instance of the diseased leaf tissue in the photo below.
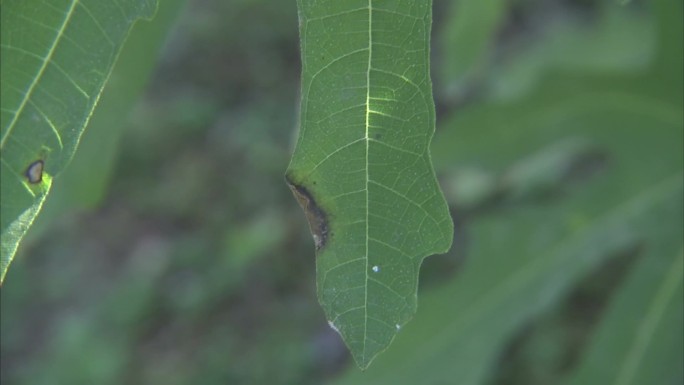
(361, 169)
(318, 219)
(34, 172)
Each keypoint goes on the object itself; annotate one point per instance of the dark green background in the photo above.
(172, 252)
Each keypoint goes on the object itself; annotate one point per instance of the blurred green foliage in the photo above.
(560, 150)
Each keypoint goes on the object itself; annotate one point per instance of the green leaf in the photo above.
(619, 40)
(56, 58)
(467, 40)
(361, 169)
(640, 340)
(79, 187)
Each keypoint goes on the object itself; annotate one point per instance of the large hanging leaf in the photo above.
(56, 58)
(361, 169)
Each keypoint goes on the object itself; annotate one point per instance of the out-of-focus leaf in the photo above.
(640, 340)
(619, 40)
(469, 187)
(545, 171)
(56, 58)
(361, 169)
(467, 40)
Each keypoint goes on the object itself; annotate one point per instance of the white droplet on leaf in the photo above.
(398, 326)
(333, 327)
(376, 269)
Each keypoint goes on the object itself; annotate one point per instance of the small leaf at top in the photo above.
(361, 169)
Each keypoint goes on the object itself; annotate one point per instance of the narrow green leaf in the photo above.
(640, 340)
(361, 168)
(56, 58)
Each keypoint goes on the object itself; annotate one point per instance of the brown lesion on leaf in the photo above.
(34, 171)
(318, 219)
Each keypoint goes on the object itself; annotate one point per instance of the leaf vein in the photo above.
(40, 73)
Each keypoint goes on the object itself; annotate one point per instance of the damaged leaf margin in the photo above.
(317, 218)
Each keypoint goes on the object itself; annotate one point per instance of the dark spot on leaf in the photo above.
(318, 220)
(378, 136)
(34, 172)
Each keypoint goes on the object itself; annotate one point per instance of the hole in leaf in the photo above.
(34, 172)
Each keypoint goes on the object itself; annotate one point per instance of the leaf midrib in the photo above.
(366, 138)
(41, 71)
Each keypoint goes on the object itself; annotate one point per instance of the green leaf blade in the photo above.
(361, 169)
(56, 58)
(640, 339)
